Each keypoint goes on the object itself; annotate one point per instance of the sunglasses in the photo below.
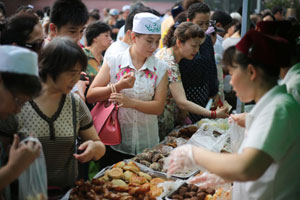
(36, 46)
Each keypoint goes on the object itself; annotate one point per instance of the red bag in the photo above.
(105, 117)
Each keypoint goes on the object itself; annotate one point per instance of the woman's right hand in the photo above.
(21, 155)
(222, 113)
(127, 81)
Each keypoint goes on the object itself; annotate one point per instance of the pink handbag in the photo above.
(105, 117)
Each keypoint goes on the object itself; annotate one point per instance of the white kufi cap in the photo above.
(146, 23)
(18, 60)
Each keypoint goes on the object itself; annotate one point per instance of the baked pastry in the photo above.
(116, 173)
(118, 182)
(147, 176)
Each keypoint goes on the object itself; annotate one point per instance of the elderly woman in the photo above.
(267, 163)
(98, 39)
(19, 82)
(57, 116)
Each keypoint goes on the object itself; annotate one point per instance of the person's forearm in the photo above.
(232, 167)
(149, 107)
(100, 150)
(8, 174)
(193, 108)
(98, 94)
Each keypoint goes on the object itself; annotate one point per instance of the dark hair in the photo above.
(60, 55)
(21, 83)
(129, 19)
(187, 3)
(46, 10)
(18, 28)
(94, 14)
(197, 8)
(183, 32)
(268, 14)
(228, 56)
(26, 9)
(222, 17)
(270, 73)
(277, 9)
(94, 29)
(65, 12)
(40, 14)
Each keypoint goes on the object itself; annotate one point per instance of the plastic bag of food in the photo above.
(209, 138)
(33, 181)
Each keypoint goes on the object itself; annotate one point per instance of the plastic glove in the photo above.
(207, 180)
(181, 159)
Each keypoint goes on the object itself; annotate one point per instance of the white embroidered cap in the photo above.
(18, 60)
(146, 23)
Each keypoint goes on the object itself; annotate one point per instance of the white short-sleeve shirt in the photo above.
(116, 48)
(292, 81)
(139, 130)
(273, 127)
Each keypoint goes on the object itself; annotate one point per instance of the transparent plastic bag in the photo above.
(207, 138)
(33, 181)
(237, 134)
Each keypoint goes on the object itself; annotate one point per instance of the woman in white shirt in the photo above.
(267, 164)
(141, 82)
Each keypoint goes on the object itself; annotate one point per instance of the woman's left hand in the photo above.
(121, 100)
(89, 151)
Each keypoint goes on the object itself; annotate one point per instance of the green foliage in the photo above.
(270, 4)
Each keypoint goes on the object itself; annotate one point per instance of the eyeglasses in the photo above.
(36, 46)
(19, 102)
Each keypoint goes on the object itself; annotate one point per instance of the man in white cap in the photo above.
(19, 82)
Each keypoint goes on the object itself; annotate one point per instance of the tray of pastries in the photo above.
(123, 181)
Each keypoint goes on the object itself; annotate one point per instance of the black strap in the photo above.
(75, 131)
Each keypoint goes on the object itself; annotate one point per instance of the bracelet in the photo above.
(213, 114)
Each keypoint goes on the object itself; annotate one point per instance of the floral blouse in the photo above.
(166, 120)
(93, 65)
(139, 130)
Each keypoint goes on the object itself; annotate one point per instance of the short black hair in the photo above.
(129, 19)
(268, 14)
(95, 15)
(187, 3)
(222, 17)
(21, 83)
(197, 8)
(65, 12)
(60, 55)
(277, 9)
(18, 28)
(94, 29)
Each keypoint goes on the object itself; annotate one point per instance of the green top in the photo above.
(93, 65)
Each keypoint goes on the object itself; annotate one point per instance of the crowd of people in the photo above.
(57, 64)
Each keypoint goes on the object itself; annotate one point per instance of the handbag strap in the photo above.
(74, 127)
